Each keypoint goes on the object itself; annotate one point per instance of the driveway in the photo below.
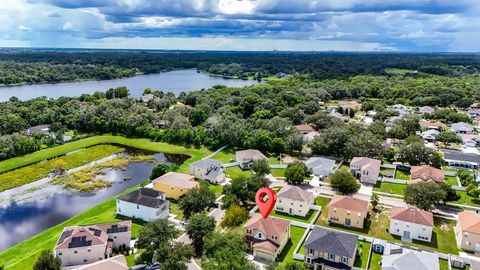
(366, 190)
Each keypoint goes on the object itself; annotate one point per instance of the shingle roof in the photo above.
(432, 124)
(118, 262)
(469, 221)
(426, 173)
(212, 166)
(295, 193)
(144, 196)
(461, 126)
(352, 104)
(413, 215)
(270, 226)
(468, 157)
(250, 153)
(341, 244)
(177, 180)
(315, 162)
(304, 128)
(366, 163)
(409, 260)
(349, 203)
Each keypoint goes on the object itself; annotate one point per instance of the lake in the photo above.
(174, 81)
(25, 218)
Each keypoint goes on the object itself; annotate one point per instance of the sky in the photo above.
(287, 25)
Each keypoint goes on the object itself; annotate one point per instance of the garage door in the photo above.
(263, 255)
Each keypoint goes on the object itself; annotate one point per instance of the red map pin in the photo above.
(265, 199)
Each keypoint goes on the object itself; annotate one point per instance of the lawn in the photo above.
(375, 261)
(451, 180)
(226, 155)
(278, 172)
(307, 219)
(388, 187)
(27, 174)
(296, 234)
(402, 175)
(361, 261)
(467, 199)
(217, 189)
(443, 264)
(235, 172)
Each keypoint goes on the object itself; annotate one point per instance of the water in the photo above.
(23, 218)
(173, 81)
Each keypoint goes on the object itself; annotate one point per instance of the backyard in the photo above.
(402, 175)
(307, 219)
(363, 252)
(392, 188)
(296, 234)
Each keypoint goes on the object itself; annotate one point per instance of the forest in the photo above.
(43, 65)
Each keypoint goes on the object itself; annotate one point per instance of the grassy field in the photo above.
(278, 172)
(443, 264)
(24, 175)
(451, 180)
(467, 199)
(307, 219)
(387, 187)
(24, 254)
(235, 172)
(402, 175)
(362, 260)
(375, 260)
(296, 234)
(226, 155)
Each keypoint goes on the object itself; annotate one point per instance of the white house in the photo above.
(294, 201)
(144, 203)
(321, 167)
(426, 109)
(245, 158)
(462, 128)
(310, 136)
(411, 223)
(430, 135)
(208, 169)
(366, 169)
(408, 259)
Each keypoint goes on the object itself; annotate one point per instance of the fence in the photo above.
(278, 166)
(394, 180)
(226, 165)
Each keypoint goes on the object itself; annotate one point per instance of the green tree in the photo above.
(364, 144)
(448, 137)
(417, 153)
(295, 173)
(424, 195)
(279, 145)
(161, 169)
(174, 256)
(155, 233)
(242, 190)
(47, 261)
(343, 182)
(374, 200)
(234, 216)
(450, 194)
(261, 167)
(292, 265)
(196, 200)
(199, 226)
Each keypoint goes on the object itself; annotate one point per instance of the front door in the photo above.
(406, 234)
(348, 222)
(290, 210)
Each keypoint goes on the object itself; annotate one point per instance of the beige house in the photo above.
(79, 245)
(266, 237)
(174, 184)
(118, 262)
(426, 173)
(350, 105)
(411, 223)
(366, 169)
(347, 211)
(330, 250)
(294, 201)
(468, 231)
(304, 128)
(245, 158)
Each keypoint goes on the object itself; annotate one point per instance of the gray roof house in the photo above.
(208, 169)
(430, 135)
(321, 167)
(459, 159)
(406, 259)
(462, 128)
(245, 158)
(331, 249)
(144, 203)
(45, 129)
(426, 109)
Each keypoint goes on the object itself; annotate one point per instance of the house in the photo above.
(366, 169)
(339, 116)
(347, 211)
(426, 109)
(459, 159)
(208, 169)
(78, 245)
(174, 184)
(468, 231)
(328, 250)
(321, 167)
(432, 125)
(411, 223)
(390, 121)
(266, 237)
(462, 128)
(401, 109)
(245, 158)
(408, 259)
(147, 97)
(350, 105)
(45, 129)
(294, 201)
(304, 128)
(144, 203)
(118, 262)
(310, 136)
(426, 174)
(430, 135)
(469, 140)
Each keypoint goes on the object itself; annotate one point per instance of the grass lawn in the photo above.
(217, 189)
(451, 180)
(387, 187)
(273, 159)
(375, 261)
(361, 261)
(443, 264)
(307, 219)
(278, 172)
(27, 174)
(443, 237)
(235, 172)
(296, 234)
(467, 199)
(226, 155)
(402, 175)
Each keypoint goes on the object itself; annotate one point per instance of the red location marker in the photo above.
(265, 199)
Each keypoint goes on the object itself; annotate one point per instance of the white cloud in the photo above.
(67, 26)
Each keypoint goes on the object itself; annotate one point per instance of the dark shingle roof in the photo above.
(468, 157)
(341, 244)
(144, 196)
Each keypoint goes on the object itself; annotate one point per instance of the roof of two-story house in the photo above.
(426, 174)
(367, 168)
(296, 194)
(148, 198)
(210, 169)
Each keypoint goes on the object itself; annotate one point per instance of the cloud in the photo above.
(411, 25)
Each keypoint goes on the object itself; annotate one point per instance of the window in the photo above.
(60, 254)
(75, 252)
(344, 259)
(138, 206)
(259, 235)
(468, 243)
(115, 237)
(331, 256)
(300, 205)
(89, 250)
(85, 260)
(310, 251)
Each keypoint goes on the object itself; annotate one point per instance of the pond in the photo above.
(173, 81)
(25, 217)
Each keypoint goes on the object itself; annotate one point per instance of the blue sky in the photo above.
(299, 25)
